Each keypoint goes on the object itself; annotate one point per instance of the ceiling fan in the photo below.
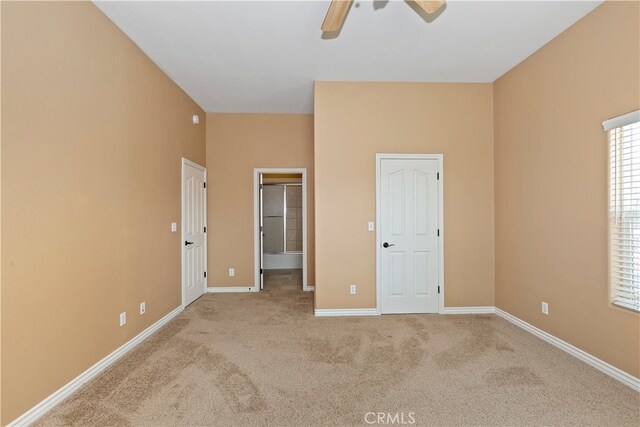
(338, 12)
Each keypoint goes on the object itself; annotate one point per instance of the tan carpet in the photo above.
(264, 359)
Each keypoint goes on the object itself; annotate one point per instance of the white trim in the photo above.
(256, 227)
(310, 288)
(378, 251)
(183, 285)
(440, 159)
(623, 120)
(625, 378)
(33, 414)
(225, 289)
(331, 312)
(469, 310)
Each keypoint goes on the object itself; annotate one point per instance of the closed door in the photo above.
(260, 215)
(194, 266)
(409, 235)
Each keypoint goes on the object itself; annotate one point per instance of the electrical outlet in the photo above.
(123, 318)
(232, 272)
(352, 289)
(545, 308)
(174, 227)
(143, 308)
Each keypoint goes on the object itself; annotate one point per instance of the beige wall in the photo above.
(236, 144)
(353, 122)
(0, 214)
(551, 182)
(92, 136)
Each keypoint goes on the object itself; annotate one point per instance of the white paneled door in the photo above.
(409, 235)
(261, 213)
(194, 249)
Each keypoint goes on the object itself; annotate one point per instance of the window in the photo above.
(624, 209)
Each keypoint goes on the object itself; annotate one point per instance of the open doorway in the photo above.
(280, 234)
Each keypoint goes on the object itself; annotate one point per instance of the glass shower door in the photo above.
(273, 218)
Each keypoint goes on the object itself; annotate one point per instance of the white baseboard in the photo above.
(225, 289)
(601, 365)
(469, 310)
(33, 414)
(309, 288)
(329, 312)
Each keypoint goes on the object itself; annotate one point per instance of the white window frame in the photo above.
(624, 261)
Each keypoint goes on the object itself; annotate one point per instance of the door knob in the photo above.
(187, 243)
(386, 245)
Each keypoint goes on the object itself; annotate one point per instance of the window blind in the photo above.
(624, 210)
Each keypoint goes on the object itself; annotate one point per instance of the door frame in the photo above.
(256, 228)
(183, 284)
(399, 156)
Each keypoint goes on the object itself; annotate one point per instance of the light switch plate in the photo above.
(370, 225)
(123, 318)
(174, 227)
(545, 308)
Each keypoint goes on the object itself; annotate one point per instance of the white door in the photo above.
(261, 207)
(409, 235)
(194, 251)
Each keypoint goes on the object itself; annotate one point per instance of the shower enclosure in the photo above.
(282, 225)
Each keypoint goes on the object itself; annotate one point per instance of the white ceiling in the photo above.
(263, 56)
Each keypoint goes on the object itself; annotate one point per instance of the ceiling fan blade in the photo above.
(336, 15)
(430, 6)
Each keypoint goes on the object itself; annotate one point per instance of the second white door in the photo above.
(194, 249)
(409, 234)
